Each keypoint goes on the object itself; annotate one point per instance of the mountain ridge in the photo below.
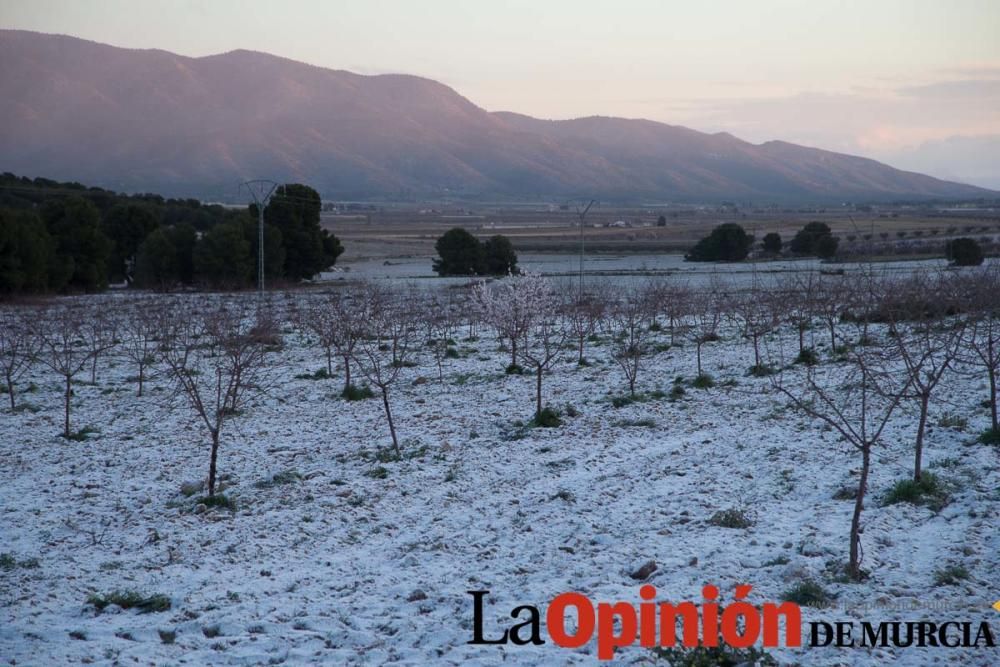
(149, 119)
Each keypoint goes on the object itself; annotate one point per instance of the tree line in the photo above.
(65, 237)
(730, 242)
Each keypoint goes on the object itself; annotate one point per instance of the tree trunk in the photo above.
(993, 398)
(69, 391)
(329, 362)
(347, 373)
(213, 461)
(833, 337)
(10, 392)
(93, 371)
(756, 351)
(388, 416)
(854, 566)
(580, 360)
(538, 394)
(142, 369)
(919, 449)
(513, 351)
(802, 334)
(698, 348)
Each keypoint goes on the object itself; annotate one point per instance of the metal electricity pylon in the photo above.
(261, 191)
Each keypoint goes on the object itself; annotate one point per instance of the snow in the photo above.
(320, 569)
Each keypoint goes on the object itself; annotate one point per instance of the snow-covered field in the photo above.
(348, 559)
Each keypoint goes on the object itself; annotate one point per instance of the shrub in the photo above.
(451, 353)
(321, 374)
(677, 391)
(167, 636)
(950, 575)
(378, 472)
(949, 420)
(807, 593)
(761, 371)
(929, 491)
(703, 381)
(83, 434)
(622, 401)
(731, 518)
(807, 356)
(514, 369)
(146, 604)
(219, 500)
(990, 437)
(547, 418)
(355, 393)
(278, 478)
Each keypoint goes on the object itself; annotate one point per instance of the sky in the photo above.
(915, 83)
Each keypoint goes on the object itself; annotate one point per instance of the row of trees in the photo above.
(729, 242)
(889, 342)
(57, 237)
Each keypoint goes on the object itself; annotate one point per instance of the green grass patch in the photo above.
(321, 374)
(83, 434)
(990, 436)
(355, 393)
(547, 418)
(929, 491)
(950, 575)
(807, 593)
(703, 381)
(731, 518)
(807, 356)
(218, 500)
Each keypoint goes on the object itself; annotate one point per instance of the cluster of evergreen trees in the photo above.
(462, 254)
(57, 237)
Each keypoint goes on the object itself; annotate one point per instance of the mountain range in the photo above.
(150, 120)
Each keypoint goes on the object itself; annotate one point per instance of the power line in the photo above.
(261, 191)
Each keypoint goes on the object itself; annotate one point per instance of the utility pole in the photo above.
(260, 190)
(582, 213)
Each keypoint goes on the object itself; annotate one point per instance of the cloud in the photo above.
(966, 89)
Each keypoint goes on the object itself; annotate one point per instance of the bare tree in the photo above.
(983, 340)
(382, 349)
(705, 315)
(629, 318)
(583, 315)
(64, 349)
(755, 314)
(799, 296)
(439, 317)
(141, 336)
(927, 347)
(543, 339)
(18, 347)
(217, 357)
(100, 329)
(856, 400)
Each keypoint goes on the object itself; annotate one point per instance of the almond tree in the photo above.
(582, 316)
(18, 346)
(982, 347)
(510, 306)
(217, 357)
(705, 317)
(629, 318)
(100, 329)
(927, 348)
(64, 349)
(141, 336)
(381, 350)
(338, 323)
(754, 313)
(544, 338)
(440, 319)
(857, 401)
